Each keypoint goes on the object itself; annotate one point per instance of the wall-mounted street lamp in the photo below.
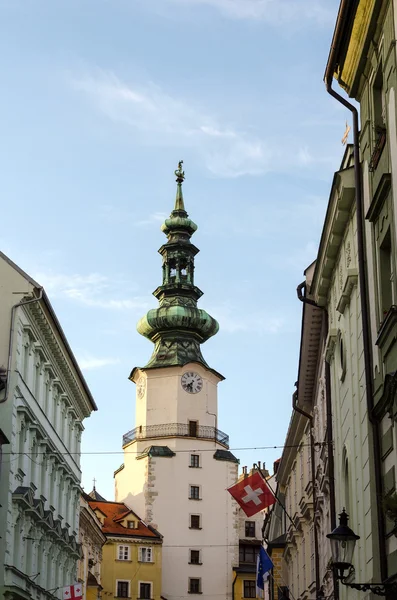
(343, 541)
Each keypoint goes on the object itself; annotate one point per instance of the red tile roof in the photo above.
(117, 511)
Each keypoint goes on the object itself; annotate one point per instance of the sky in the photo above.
(100, 100)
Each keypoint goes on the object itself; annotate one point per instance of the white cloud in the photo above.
(165, 120)
(90, 290)
(88, 363)
(276, 12)
(159, 119)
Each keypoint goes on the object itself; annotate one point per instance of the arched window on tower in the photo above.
(183, 271)
(172, 270)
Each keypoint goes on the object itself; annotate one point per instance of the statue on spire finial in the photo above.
(180, 173)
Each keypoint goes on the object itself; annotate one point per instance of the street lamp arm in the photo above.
(379, 589)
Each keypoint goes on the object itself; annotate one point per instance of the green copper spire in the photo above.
(177, 327)
(180, 177)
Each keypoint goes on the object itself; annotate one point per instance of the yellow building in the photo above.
(250, 541)
(132, 554)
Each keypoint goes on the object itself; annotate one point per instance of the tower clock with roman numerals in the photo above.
(191, 382)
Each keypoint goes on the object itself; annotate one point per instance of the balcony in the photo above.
(176, 430)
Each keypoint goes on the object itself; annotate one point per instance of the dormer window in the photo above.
(131, 524)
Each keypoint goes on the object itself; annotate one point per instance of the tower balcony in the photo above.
(180, 430)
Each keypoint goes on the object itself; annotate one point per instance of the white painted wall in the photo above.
(165, 401)
(42, 418)
(158, 488)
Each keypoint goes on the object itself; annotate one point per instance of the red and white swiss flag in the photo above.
(253, 494)
(71, 592)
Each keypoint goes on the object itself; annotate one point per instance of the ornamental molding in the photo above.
(330, 344)
(350, 283)
(127, 540)
(59, 361)
(41, 518)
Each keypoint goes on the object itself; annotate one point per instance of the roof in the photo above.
(115, 512)
(57, 324)
(156, 451)
(226, 455)
(95, 496)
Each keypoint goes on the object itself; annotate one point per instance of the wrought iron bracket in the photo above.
(379, 589)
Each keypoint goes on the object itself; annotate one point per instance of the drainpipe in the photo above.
(301, 292)
(11, 340)
(233, 584)
(362, 274)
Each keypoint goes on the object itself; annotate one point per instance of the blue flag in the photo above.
(263, 567)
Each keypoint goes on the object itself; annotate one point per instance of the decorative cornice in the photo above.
(24, 497)
(337, 217)
(350, 283)
(330, 344)
(59, 361)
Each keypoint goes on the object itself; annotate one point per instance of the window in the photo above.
(194, 492)
(250, 528)
(386, 273)
(195, 461)
(195, 522)
(249, 589)
(379, 102)
(193, 428)
(145, 590)
(194, 585)
(283, 593)
(195, 557)
(123, 553)
(145, 555)
(131, 524)
(248, 554)
(123, 589)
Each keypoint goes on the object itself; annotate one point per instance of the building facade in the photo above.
(335, 286)
(132, 555)
(91, 539)
(177, 463)
(42, 407)
(250, 534)
(363, 61)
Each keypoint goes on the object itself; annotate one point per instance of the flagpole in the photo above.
(274, 495)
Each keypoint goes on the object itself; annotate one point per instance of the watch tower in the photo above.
(177, 463)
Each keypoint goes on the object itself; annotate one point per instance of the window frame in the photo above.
(243, 548)
(119, 546)
(195, 466)
(251, 585)
(197, 490)
(146, 550)
(150, 584)
(190, 591)
(199, 521)
(128, 582)
(251, 524)
(192, 562)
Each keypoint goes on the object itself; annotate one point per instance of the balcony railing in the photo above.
(176, 430)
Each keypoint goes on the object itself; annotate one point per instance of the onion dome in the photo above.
(177, 327)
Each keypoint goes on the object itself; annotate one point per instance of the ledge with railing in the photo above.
(176, 430)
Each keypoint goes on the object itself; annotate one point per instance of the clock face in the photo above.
(192, 382)
(141, 387)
